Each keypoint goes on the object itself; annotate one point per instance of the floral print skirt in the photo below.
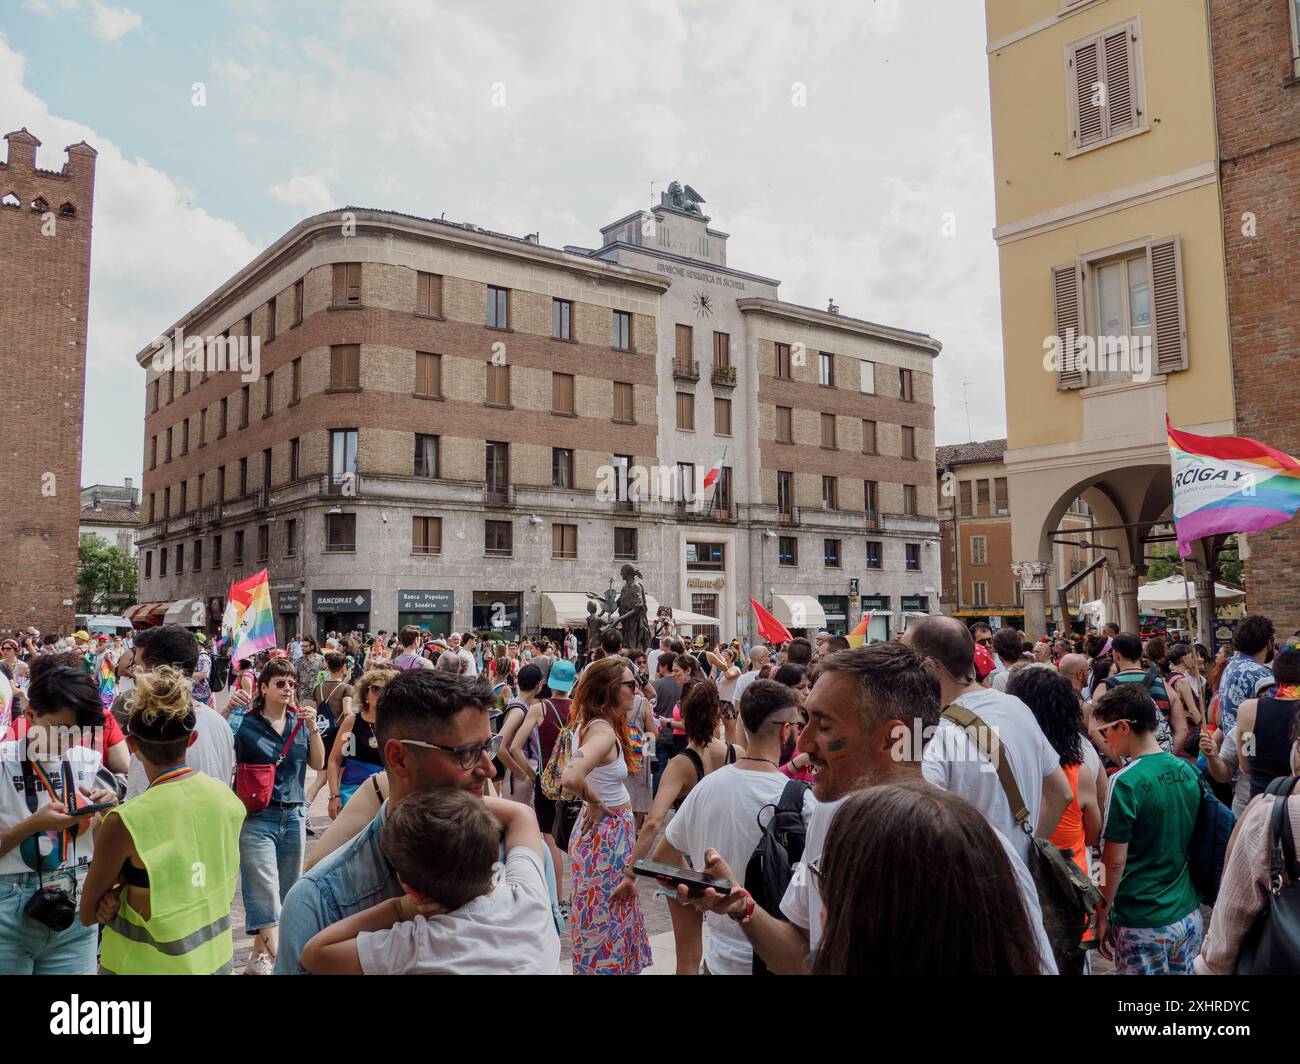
(609, 938)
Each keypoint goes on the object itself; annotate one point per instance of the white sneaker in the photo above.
(260, 965)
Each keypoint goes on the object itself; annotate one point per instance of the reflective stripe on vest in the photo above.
(186, 833)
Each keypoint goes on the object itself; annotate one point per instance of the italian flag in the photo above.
(711, 477)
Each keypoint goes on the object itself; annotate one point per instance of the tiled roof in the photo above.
(969, 453)
(110, 513)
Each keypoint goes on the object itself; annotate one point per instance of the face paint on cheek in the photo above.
(837, 748)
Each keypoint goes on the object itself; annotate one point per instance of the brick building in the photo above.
(981, 582)
(453, 427)
(45, 223)
(1254, 50)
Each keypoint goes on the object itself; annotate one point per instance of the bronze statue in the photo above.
(633, 622)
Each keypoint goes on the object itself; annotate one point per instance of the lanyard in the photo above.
(170, 774)
(66, 838)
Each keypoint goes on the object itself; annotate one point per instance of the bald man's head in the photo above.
(1074, 667)
(947, 641)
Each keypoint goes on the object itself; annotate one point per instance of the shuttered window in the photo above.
(828, 431)
(564, 541)
(905, 385)
(784, 424)
(295, 381)
(686, 411)
(1066, 307)
(909, 441)
(428, 375)
(868, 437)
(965, 495)
(426, 455)
(722, 417)
(982, 497)
(297, 303)
(345, 367)
(1003, 506)
(498, 385)
(347, 284)
(1167, 305)
(426, 535)
(623, 403)
(685, 345)
(909, 500)
(428, 294)
(562, 393)
(870, 492)
(1104, 87)
(783, 362)
(721, 350)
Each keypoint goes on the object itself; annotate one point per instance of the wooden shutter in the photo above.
(828, 431)
(784, 425)
(347, 284)
(1067, 306)
(868, 437)
(1089, 127)
(722, 417)
(345, 366)
(428, 374)
(498, 385)
(562, 393)
(685, 344)
(909, 441)
(685, 410)
(967, 509)
(1165, 262)
(1121, 90)
(623, 408)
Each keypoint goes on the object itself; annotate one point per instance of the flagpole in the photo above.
(1191, 632)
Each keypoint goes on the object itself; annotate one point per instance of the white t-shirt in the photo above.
(213, 752)
(722, 812)
(742, 685)
(507, 931)
(802, 904)
(471, 666)
(953, 761)
(84, 764)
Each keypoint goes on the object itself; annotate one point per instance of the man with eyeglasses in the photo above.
(434, 731)
(722, 812)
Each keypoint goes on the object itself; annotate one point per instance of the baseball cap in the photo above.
(200, 637)
(562, 676)
(103, 638)
(984, 663)
(81, 635)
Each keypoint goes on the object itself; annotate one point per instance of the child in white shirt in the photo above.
(462, 912)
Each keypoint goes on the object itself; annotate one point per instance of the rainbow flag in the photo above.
(858, 637)
(1229, 484)
(248, 619)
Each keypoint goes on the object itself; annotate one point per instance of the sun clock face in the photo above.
(703, 303)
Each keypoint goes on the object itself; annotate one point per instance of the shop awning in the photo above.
(798, 611)
(680, 616)
(188, 613)
(146, 614)
(563, 608)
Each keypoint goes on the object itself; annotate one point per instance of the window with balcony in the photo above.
(295, 459)
(685, 346)
(721, 350)
(622, 464)
(686, 481)
(496, 473)
(870, 496)
(787, 550)
(340, 533)
(426, 535)
(564, 541)
(426, 455)
(498, 539)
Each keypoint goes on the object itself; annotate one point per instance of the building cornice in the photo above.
(775, 308)
(391, 223)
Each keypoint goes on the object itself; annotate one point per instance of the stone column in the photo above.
(1033, 592)
(1203, 593)
(1126, 594)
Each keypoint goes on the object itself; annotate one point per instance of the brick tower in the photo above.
(45, 218)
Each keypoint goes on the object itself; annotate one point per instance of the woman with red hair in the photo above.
(609, 936)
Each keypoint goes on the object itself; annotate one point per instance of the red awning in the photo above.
(146, 614)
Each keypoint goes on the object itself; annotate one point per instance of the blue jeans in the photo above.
(271, 846)
(29, 948)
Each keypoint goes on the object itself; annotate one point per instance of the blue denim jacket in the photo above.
(355, 877)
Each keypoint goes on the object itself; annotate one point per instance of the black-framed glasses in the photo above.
(631, 685)
(466, 756)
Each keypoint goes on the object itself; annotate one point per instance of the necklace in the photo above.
(767, 759)
(170, 774)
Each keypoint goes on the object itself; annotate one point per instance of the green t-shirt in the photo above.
(1152, 806)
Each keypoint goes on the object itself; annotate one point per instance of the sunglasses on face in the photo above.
(281, 684)
(631, 685)
(466, 756)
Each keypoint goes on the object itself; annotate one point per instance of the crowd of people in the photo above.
(808, 807)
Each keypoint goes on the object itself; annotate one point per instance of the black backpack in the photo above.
(1272, 945)
(779, 849)
(220, 674)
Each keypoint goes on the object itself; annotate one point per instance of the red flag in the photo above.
(712, 475)
(769, 627)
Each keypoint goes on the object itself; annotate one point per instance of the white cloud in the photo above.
(109, 23)
(307, 191)
(113, 22)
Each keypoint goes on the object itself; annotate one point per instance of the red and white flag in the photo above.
(711, 477)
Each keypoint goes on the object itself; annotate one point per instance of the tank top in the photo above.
(363, 748)
(1272, 754)
(555, 711)
(1069, 831)
(607, 782)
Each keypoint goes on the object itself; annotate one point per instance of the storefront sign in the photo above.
(340, 601)
(715, 583)
(915, 604)
(287, 602)
(425, 601)
(875, 603)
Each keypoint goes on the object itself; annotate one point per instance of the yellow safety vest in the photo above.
(187, 835)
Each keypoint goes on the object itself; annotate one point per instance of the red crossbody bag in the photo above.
(254, 783)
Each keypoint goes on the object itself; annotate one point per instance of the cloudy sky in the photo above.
(395, 104)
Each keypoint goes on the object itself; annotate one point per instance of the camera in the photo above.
(52, 908)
